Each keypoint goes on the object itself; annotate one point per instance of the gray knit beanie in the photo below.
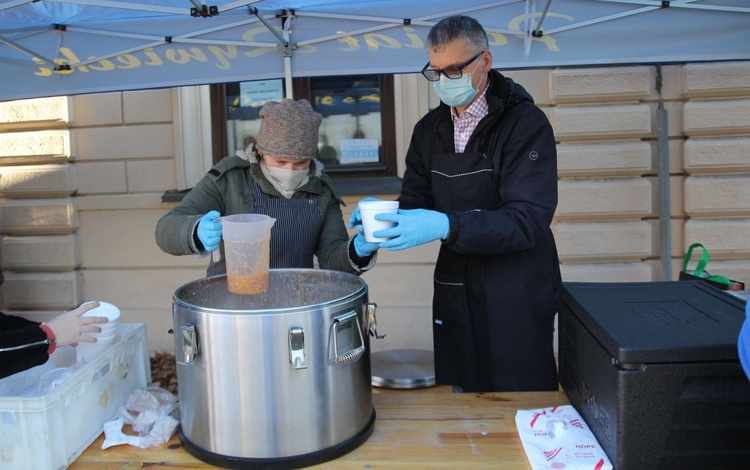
(288, 129)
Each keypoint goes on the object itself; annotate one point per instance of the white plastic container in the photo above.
(50, 431)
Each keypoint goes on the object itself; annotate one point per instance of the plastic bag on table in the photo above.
(154, 419)
(558, 437)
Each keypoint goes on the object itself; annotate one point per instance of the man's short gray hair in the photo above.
(457, 26)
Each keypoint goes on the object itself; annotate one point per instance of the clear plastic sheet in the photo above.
(153, 418)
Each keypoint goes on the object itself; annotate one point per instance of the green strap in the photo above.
(720, 279)
(701, 266)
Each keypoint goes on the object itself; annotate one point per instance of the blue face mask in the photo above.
(456, 92)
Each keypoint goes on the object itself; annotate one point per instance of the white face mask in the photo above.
(285, 181)
(456, 92)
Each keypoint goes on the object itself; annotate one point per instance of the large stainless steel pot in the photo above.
(279, 379)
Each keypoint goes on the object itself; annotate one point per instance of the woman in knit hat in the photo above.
(279, 177)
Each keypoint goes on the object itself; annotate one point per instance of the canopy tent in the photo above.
(65, 47)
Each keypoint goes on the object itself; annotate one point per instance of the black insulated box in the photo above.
(653, 368)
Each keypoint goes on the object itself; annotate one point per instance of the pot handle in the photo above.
(372, 321)
(353, 354)
(189, 344)
(297, 348)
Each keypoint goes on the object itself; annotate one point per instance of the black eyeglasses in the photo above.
(454, 72)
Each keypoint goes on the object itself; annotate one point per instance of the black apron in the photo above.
(294, 235)
(484, 340)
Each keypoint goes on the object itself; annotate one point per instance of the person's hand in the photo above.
(69, 327)
(209, 231)
(356, 217)
(362, 246)
(413, 227)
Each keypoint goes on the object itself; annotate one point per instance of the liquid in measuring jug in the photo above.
(247, 248)
(246, 274)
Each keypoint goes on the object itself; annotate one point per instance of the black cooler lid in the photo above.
(659, 322)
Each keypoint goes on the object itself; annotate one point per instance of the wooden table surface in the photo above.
(428, 428)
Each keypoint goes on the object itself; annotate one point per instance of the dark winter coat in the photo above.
(228, 188)
(497, 276)
(18, 331)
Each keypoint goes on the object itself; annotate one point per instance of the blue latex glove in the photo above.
(356, 218)
(209, 231)
(414, 227)
(743, 342)
(362, 246)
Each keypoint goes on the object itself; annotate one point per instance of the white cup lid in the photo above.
(377, 205)
(105, 309)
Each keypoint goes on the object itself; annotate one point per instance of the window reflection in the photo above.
(351, 130)
(244, 100)
(350, 134)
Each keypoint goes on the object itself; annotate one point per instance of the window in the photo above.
(357, 135)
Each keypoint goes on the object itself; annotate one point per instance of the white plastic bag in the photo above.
(153, 422)
(558, 438)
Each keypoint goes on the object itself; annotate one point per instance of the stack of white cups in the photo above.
(90, 351)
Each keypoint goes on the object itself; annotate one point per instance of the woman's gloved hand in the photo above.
(414, 227)
(209, 231)
(356, 217)
(362, 246)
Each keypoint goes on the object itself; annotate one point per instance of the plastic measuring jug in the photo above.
(247, 249)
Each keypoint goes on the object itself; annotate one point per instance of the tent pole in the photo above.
(288, 77)
(665, 210)
(537, 33)
(286, 26)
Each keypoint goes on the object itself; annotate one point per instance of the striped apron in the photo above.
(294, 235)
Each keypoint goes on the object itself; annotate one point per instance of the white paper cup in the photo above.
(87, 352)
(105, 309)
(368, 209)
(107, 329)
(106, 339)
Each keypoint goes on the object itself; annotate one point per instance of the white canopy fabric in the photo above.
(66, 47)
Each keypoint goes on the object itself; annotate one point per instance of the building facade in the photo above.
(82, 181)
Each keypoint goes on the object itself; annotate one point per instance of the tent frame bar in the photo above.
(128, 6)
(271, 29)
(537, 33)
(646, 6)
(28, 52)
(681, 4)
(14, 4)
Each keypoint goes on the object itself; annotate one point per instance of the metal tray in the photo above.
(403, 368)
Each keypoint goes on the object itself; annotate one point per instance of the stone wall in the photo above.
(81, 180)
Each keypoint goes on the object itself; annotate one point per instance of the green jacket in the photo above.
(227, 188)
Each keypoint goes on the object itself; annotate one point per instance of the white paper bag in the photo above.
(558, 438)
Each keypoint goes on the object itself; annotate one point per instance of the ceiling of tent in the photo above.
(65, 47)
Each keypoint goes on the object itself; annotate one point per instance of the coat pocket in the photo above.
(449, 301)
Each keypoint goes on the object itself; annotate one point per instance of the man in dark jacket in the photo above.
(481, 176)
